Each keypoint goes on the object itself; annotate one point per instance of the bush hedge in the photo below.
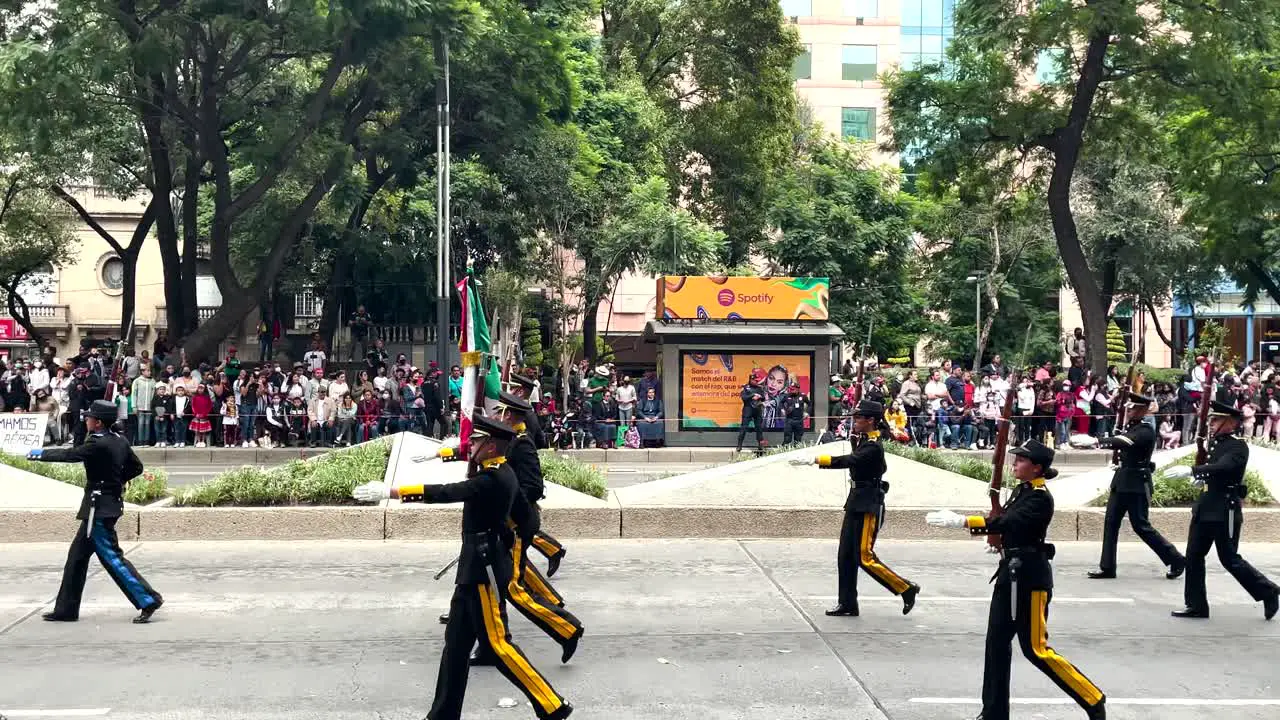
(972, 467)
(146, 488)
(329, 479)
(1179, 492)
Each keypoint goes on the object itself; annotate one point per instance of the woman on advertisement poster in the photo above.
(775, 387)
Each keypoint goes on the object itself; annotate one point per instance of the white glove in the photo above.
(945, 519)
(1197, 482)
(376, 491)
(1178, 471)
(799, 462)
(1082, 441)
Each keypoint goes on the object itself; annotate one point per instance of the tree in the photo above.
(34, 234)
(978, 117)
(1117, 351)
(531, 344)
(839, 217)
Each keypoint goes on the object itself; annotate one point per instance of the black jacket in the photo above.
(866, 467)
(522, 458)
(109, 464)
(487, 497)
(1223, 475)
(1022, 528)
(750, 404)
(795, 407)
(1135, 446)
(533, 425)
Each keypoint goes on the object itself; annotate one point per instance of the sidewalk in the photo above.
(675, 630)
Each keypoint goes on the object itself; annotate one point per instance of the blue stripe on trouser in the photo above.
(138, 594)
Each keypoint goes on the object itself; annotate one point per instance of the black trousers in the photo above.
(756, 418)
(1027, 617)
(857, 550)
(546, 613)
(793, 431)
(1137, 506)
(480, 611)
(106, 546)
(1226, 536)
(547, 545)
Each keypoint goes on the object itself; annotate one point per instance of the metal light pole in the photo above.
(444, 283)
(976, 280)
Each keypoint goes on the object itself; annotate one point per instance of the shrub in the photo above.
(961, 465)
(1116, 348)
(148, 487)
(573, 474)
(324, 480)
(1179, 492)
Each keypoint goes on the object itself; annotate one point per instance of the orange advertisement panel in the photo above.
(711, 297)
(711, 386)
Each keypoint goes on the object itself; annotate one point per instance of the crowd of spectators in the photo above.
(606, 409)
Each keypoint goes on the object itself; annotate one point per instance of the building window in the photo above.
(862, 8)
(113, 274)
(858, 124)
(859, 62)
(802, 68)
(307, 305)
(797, 8)
(927, 29)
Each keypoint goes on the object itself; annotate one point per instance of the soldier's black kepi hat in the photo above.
(1224, 410)
(515, 404)
(104, 410)
(1137, 399)
(486, 427)
(869, 408)
(1036, 452)
(518, 379)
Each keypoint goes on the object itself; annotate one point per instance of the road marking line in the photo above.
(1171, 702)
(981, 599)
(82, 712)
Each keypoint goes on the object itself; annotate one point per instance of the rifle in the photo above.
(1122, 397)
(1202, 431)
(1002, 445)
(857, 383)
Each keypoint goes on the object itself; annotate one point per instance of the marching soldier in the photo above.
(863, 512)
(1131, 493)
(1217, 518)
(523, 387)
(109, 465)
(478, 608)
(1023, 588)
(529, 591)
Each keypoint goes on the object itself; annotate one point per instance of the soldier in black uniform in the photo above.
(752, 396)
(528, 590)
(864, 512)
(1023, 588)
(478, 608)
(109, 465)
(1217, 518)
(1131, 493)
(795, 409)
(522, 387)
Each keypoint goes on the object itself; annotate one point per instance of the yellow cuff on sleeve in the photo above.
(975, 521)
(446, 452)
(824, 461)
(409, 491)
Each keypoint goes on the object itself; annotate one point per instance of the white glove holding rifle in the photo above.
(945, 519)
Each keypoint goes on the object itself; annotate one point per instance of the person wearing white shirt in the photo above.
(934, 391)
(314, 358)
(1026, 407)
(38, 379)
(321, 413)
(339, 387)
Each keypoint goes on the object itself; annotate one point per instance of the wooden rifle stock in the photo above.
(1202, 430)
(1122, 398)
(997, 460)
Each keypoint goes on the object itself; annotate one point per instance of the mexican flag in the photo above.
(480, 381)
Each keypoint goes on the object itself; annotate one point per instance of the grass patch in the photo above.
(324, 480)
(961, 465)
(1179, 492)
(573, 474)
(148, 487)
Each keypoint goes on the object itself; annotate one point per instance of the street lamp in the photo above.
(976, 280)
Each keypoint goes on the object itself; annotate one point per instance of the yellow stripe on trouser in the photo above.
(872, 564)
(547, 545)
(511, 658)
(1080, 685)
(521, 597)
(532, 579)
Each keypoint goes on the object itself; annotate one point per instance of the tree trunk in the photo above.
(190, 241)
(1066, 154)
(338, 280)
(589, 326)
(1264, 278)
(129, 298)
(19, 311)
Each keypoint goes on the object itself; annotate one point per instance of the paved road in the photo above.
(676, 630)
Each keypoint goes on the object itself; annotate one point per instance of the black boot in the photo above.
(1271, 605)
(483, 658)
(844, 611)
(909, 598)
(1102, 574)
(1099, 711)
(570, 648)
(1176, 570)
(553, 563)
(144, 617)
(55, 617)
(444, 619)
(1191, 613)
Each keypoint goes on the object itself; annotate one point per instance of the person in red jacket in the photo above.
(201, 406)
(367, 411)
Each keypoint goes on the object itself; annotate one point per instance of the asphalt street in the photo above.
(675, 630)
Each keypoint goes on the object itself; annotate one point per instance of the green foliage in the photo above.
(1179, 492)
(837, 216)
(531, 343)
(35, 235)
(1173, 376)
(148, 487)
(1211, 340)
(978, 469)
(324, 480)
(1117, 351)
(572, 473)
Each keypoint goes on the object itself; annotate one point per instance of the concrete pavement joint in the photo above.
(862, 687)
(355, 674)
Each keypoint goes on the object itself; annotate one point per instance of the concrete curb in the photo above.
(415, 522)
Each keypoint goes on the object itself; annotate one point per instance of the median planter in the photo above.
(56, 525)
(264, 523)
